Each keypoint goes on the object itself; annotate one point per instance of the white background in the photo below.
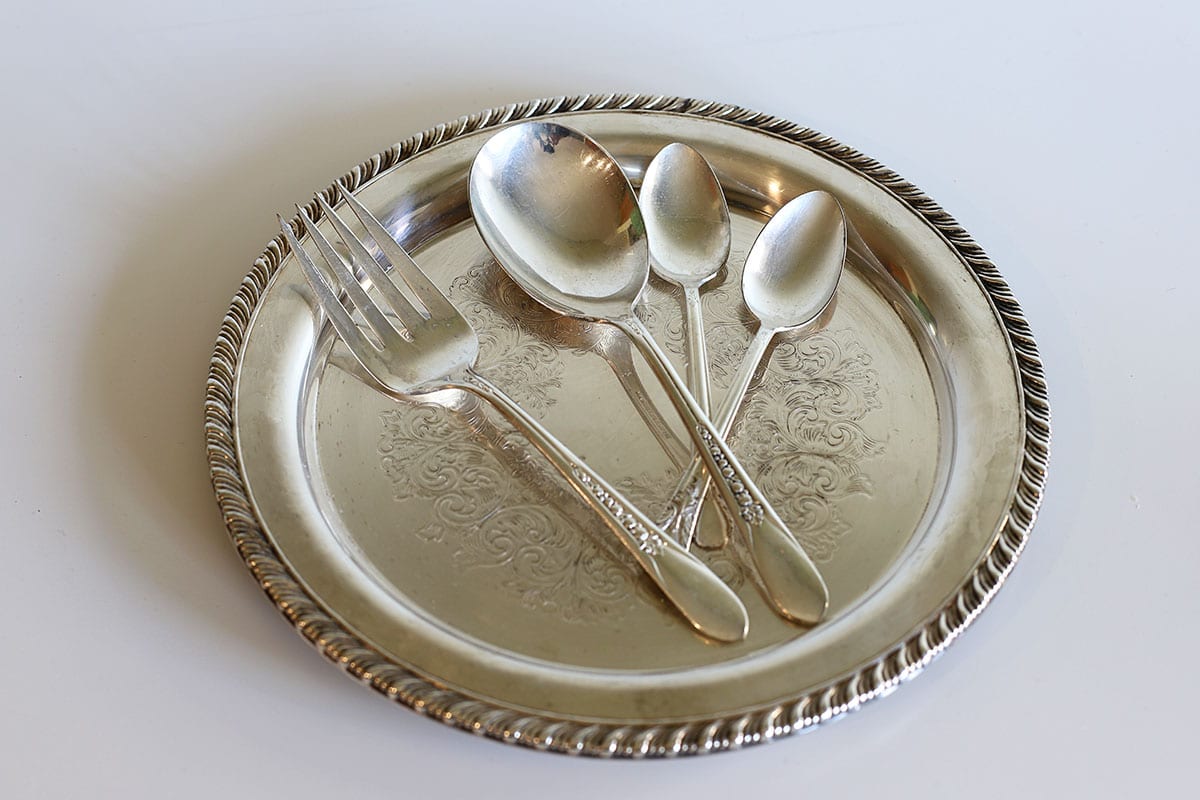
(146, 148)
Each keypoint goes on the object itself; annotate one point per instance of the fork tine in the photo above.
(404, 309)
(358, 343)
(402, 262)
(349, 283)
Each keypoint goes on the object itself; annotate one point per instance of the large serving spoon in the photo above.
(561, 218)
(687, 229)
(791, 276)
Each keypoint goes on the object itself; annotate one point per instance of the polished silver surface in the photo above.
(790, 277)
(425, 345)
(427, 549)
(556, 210)
(687, 231)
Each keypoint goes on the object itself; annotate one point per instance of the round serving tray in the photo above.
(431, 553)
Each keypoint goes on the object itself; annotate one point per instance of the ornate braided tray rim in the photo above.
(878, 678)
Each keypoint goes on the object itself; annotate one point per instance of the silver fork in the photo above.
(435, 348)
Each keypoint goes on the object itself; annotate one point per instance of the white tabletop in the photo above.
(146, 150)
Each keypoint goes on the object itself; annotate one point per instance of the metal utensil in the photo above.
(687, 230)
(562, 219)
(688, 233)
(617, 353)
(434, 348)
(791, 276)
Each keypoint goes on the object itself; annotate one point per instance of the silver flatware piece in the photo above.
(562, 219)
(791, 276)
(688, 234)
(433, 347)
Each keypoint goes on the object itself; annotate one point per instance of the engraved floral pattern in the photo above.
(496, 505)
(801, 436)
(495, 509)
(518, 356)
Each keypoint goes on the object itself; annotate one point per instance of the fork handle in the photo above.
(711, 607)
(794, 586)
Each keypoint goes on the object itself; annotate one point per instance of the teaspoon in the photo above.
(790, 277)
(562, 219)
(687, 229)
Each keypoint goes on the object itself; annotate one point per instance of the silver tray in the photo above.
(429, 552)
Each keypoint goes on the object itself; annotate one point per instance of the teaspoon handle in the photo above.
(711, 607)
(694, 485)
(697, 350)
(792, 582)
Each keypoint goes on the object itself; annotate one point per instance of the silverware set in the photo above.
(563, 221)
